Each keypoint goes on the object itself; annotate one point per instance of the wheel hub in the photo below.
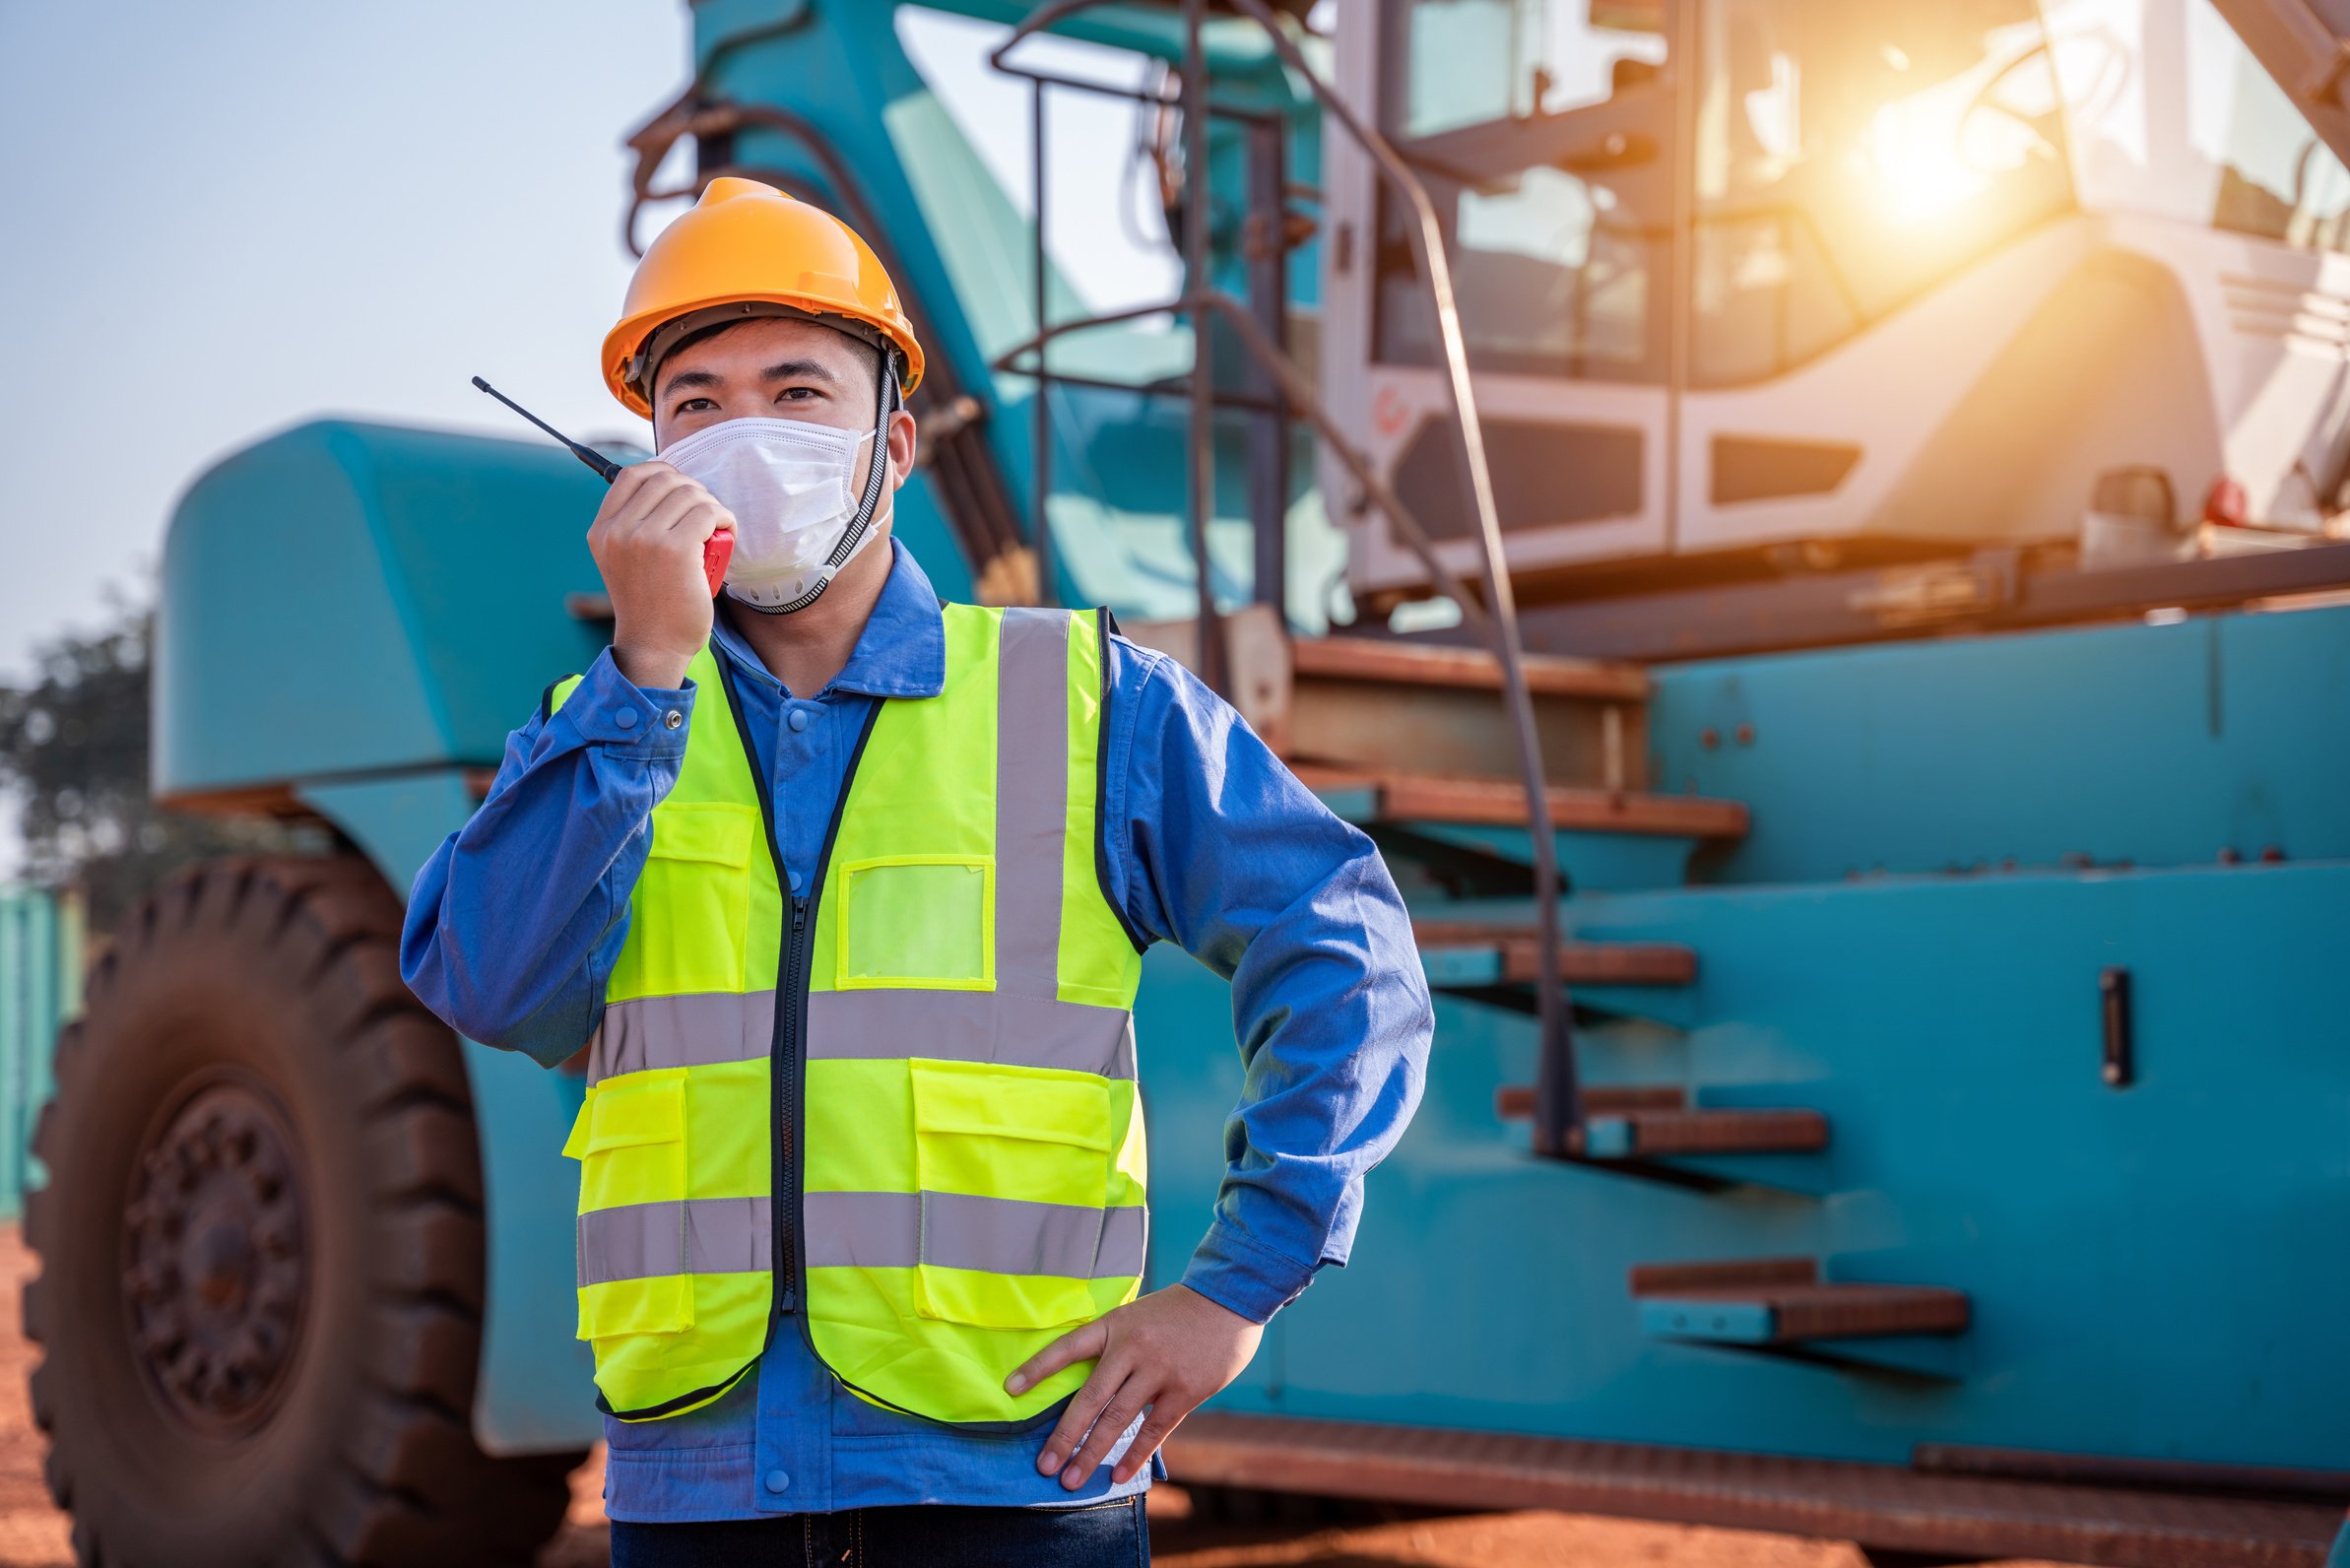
(215, 1262)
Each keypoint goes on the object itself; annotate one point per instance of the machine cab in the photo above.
(1753, 285)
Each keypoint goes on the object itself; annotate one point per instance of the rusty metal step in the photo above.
(1373, 704)
(1365, 796)
(1776, 1302)
(1656, 1122)
(1463, 954)
(1383, 661)
(1966, 1517)
(1377, 703)
(1514, 1102)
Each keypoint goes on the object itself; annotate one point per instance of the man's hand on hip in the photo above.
(647, 540)
(1167, 1352)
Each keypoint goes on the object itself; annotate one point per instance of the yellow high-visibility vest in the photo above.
(929, 1058)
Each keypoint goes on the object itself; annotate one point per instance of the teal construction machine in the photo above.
(1809, 532)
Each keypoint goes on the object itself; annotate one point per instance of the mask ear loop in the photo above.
(876, 480)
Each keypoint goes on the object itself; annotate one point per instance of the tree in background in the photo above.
(73, 749)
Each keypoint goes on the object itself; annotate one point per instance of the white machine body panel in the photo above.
(1752, 275)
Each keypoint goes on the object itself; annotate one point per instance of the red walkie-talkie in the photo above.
(716, 551)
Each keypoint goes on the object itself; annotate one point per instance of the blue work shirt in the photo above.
(515, 923)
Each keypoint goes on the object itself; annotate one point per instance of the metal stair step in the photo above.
(1642, 1123)
(1369, 797)
(1460, 954)
(1383, 661)
(1782, 1301)
(1514, 1102)
(1380, 703)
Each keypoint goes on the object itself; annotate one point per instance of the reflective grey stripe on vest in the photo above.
(970, 1026)
(694, 1235)
(952, 1231)
(1031, 799)
(648, 1032)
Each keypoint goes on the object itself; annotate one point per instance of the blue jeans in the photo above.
(1110, 1534)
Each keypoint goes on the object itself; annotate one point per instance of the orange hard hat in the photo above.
(751, 248)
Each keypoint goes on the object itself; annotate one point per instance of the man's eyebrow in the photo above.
(688, 378)
(798, 370)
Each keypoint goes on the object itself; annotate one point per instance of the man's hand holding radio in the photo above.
(647, 540)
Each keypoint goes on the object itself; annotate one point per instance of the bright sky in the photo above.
(222, 218)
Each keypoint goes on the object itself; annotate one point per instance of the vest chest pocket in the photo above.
(690, 913)
(924, 921)
(629, 1139)
(1013, 1166)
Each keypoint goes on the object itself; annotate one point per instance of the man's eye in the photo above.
(797, 394)
(694, 405)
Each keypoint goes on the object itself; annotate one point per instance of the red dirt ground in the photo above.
(33, 1535)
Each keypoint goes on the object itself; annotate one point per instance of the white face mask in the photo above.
(804, 498)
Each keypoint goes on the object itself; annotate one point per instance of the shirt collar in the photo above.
(901, 653)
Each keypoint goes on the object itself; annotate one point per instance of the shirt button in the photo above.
(672, 718)
(798, 720)
(626, 718)
(777, 1481)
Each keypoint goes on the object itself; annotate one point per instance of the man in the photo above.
(846, 892)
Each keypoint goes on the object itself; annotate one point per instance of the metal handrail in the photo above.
(1557, 1101)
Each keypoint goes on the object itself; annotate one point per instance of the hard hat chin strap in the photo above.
(877, 486)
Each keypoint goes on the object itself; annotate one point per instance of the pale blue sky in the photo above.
(221, 218)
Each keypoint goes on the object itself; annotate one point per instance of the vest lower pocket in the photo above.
(629, 1139)
(1013, 1166)
(663, 1304)
(1000, 1301)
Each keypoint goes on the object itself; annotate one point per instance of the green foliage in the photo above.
(73, 750)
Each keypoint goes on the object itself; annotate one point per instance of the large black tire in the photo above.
(261, 1244)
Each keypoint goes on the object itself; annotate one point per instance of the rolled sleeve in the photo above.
(1241, 1276)
(1220, 849)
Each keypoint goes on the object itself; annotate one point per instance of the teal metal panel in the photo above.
(1728, 1322)
(18, 1030)
(348, 598)
(39, 987)
(2152, 746)
(2132, 1255)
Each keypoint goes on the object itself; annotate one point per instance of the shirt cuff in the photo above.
(608, 708)
(1241, 1276)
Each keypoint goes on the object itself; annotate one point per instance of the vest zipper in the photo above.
(783, 1068)
(786, 1065)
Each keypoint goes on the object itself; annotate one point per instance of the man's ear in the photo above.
(901, 448)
